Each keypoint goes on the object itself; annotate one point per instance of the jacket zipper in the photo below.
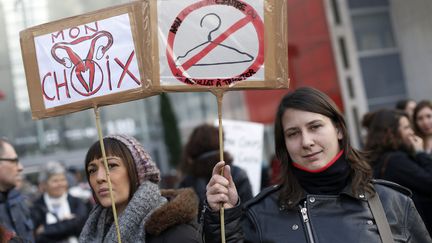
(303, 211)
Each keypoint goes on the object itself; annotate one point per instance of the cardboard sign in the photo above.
(142, 48)
(88, 60)
(245, 142)
(208, 44)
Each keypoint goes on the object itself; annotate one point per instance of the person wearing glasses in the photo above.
(14, 213)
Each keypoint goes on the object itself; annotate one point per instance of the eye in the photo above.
(112, 165)
(91, 170)
(315, 126)
(291, 134)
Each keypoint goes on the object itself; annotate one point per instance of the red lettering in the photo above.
(59, 85)
(109, 73)
(71, 34)
(87, 28)
(126, 69)
(43, 87)
(54, 36)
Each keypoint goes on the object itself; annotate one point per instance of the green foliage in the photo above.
(170, 130)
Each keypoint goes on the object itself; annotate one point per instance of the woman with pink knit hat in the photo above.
(145, 213)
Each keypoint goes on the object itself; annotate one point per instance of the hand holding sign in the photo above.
(221, 190)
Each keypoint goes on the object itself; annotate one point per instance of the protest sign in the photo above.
(216, 44)
(87, 60)
(142, 48)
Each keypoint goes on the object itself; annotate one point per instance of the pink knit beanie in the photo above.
(146, 168)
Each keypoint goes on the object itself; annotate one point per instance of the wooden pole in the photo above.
(99, 129)
(219, 96)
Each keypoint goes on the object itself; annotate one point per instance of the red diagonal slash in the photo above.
(236, 26)
(126, 69)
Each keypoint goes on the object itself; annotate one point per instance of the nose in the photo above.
(100, 175)
(20, 167)
(307, 140)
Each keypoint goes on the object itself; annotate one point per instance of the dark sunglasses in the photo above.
(13, 160)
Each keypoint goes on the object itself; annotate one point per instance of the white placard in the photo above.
(211, 43)
(87, 61)
(245, 141)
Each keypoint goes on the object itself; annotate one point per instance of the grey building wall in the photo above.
(8, 115)
(413, 29)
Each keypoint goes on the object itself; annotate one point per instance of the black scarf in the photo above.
(330, 181)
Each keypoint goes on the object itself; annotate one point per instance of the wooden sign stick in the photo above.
(99, 129)
(219, 95)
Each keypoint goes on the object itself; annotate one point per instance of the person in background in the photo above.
(57, 216)
(81, 188)
(145, 213)
(326, 188)
(423, 123)
(14, 212)
(397, 155)
(406, 105)
(199, 156)
(5, 235)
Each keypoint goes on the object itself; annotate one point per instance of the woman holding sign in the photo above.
(327, 192)
(145, 214)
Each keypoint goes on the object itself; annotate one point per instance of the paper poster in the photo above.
(210, 43)
(87, 61)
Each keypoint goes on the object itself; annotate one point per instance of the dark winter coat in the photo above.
(15, 215)
(199, 184)
(63, 229)
(319, 219)
(413, 172)
(152, 215)
(175, 222)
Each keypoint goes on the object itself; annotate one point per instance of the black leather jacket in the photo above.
(320, 218)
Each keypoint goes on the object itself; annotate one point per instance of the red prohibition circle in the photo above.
(250, 16)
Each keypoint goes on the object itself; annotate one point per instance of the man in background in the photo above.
(14, 213)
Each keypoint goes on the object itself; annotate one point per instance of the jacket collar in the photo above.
(347, 191)
(182, 208)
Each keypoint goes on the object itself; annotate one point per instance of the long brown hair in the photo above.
(383, 132)
(312, 100)
(420, 106)
(201, 152)
(114, 147)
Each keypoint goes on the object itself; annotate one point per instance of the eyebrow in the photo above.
(309, 123)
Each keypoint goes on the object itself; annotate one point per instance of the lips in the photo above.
(311, 155)
(103, 192)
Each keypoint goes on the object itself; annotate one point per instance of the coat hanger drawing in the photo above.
(248, 57)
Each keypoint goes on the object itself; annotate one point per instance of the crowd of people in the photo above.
(326, 191)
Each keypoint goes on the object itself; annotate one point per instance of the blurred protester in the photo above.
(145, 213)
(397, 155)
(5, 235)
(81, 188)
(423, 123)
(14, 212)
(327, 193)
(406, 105)
(200, 155)
(57, 216)
(29, 191)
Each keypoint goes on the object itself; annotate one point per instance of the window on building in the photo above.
(384, 81)
(367, 3)
(373, 31)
